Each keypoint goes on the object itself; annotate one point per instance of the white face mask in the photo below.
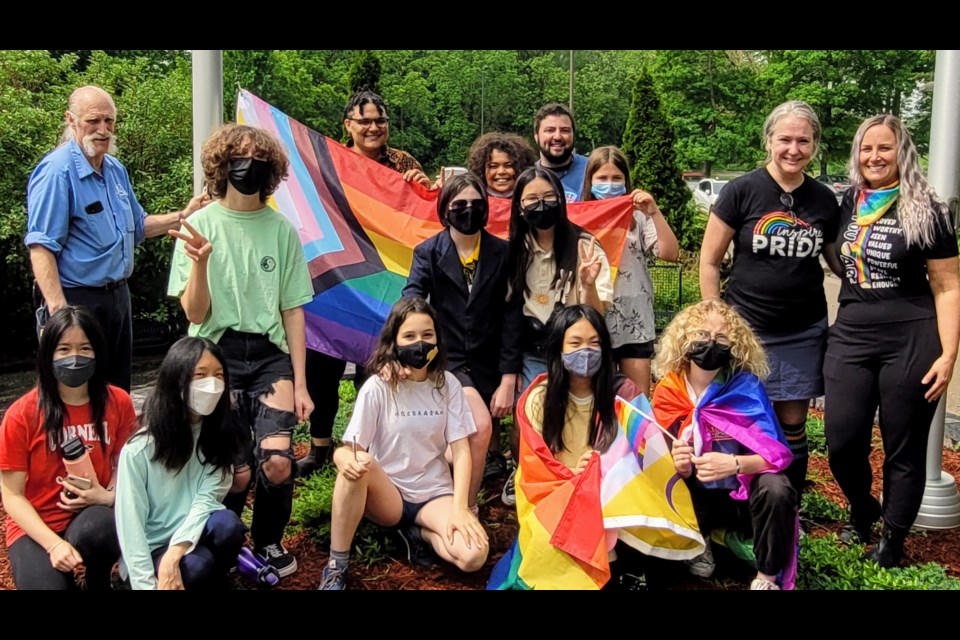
(204, 395)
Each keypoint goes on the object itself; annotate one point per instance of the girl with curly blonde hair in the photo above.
(729, 448)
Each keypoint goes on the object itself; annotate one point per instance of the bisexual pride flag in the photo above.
(359, 222)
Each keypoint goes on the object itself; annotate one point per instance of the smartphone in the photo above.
(79, 483)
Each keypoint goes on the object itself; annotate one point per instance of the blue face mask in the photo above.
(583, 362)
(603, 190)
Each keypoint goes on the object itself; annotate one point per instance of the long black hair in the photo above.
(168, 417)
(556, 399)
(566, 235)
(48, 397)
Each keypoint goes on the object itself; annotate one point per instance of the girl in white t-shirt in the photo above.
(392, 467)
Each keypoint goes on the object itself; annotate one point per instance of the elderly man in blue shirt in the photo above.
(83, 221)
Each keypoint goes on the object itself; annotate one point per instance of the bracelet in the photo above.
(737, 462)
(56, 544)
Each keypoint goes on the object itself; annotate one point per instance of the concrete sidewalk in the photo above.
(831, 286)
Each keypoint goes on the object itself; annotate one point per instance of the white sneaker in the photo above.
(509, 495)
(759, 584)
(703, 565)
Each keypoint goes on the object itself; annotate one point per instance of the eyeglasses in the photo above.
(786, 199)
(366, 122)
(532, 201)
(704, 336)
(459, 205)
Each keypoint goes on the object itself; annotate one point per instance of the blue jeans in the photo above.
(215, 554)
(533, 366)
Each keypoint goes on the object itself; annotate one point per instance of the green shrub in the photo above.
(819, 508)
(815, 437)
(826, 564)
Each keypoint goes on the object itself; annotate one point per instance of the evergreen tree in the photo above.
(648, 143)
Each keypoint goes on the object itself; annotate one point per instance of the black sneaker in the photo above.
(419, 551)
(334, 578)
(279, 558)
(495, 467)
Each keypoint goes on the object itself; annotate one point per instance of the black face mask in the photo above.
(542, 215)
(708, 355)
(249, 175)
(417, 355)
(470, 219)
(74, 371)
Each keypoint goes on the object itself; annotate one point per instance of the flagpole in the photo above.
(207, 72)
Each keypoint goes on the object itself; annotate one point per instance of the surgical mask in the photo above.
(542, 215)
(205, 393)
(417, 355)
(74, 371)
(583, 362)
(604, 190)
(709, 355)
(249, 175)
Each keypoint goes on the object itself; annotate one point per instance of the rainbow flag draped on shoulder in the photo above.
(739, 408)
(569, 522)
(359, 222)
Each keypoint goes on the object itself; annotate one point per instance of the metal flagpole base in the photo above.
(940, 508)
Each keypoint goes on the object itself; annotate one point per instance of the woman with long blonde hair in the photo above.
(729, 448)
(894, 343)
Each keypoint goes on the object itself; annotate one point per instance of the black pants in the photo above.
(323, 384)
(206, 567)
(111, 308)
(883, 365)
(255, 364)
(770, 513)
(93, 533)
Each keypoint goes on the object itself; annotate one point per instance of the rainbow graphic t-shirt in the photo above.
(781, 234)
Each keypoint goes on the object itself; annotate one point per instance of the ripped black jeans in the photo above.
(255, 364)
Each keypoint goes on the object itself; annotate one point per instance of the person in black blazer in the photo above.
(463, 271)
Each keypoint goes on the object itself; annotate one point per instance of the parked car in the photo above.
(705, 195)
(837, 182)
(449, 172)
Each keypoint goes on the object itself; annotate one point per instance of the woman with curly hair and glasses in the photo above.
(729, 446)
(894, 343)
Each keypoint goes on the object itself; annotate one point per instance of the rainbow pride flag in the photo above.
(569, 522)
(359, 222)
(738, 407)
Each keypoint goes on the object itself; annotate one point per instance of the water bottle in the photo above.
(255, 569)
(76, 458)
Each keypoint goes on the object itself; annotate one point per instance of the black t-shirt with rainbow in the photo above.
(884, 279)
(777, 281)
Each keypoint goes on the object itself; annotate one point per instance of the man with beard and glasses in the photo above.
(83, 221)
(555, 132)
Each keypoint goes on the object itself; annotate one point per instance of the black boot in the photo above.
(889, 551)
(313, 461)
(860, 526)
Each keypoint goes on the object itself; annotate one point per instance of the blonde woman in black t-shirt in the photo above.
(780, 220)
(894, 342)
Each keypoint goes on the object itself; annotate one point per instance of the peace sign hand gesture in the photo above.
(589, 263)
(195, 245)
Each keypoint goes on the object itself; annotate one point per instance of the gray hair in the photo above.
(919, 208)
(798, 109)
(73, 106)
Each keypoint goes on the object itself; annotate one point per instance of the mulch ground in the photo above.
(942, 547)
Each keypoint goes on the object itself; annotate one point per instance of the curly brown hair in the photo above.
(227, 142)
(519, 150)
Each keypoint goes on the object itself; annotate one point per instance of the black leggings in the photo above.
(93, 533)
(867, 366)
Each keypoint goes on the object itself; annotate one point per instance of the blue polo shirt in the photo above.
(93, 242)
(572, 177)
